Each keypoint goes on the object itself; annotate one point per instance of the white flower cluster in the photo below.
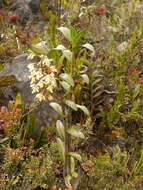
(42, 78)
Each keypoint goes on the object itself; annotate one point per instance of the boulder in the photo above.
(34, 5)
(25, 9)
(15, 79)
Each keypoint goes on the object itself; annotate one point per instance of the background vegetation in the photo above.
(90, 72)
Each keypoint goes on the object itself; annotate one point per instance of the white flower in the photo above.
(31, 67)
(40, 97)
(42, 82)
(31, 56)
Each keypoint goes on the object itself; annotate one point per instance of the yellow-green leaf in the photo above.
(75, 133)
(85, 78)
(56, 107)
(75, 155)
(60, 129)
(61, 148)
(71, 104)
(68, 78)
(66, 32)
(65, 85)
(84, 109)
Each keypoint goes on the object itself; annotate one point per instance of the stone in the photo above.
(16, 75)
(34, 5)
(25, 9)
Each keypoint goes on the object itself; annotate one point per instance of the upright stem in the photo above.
(68, 123)
(73, 62)
(67, 147)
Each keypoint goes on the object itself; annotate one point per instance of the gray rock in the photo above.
(19, 70)
(25, 9)
(34, 5)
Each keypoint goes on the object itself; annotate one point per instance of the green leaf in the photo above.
(67, 180)
(72, 164)
(97, 94)
(89, 46)
(41, 137)
(76, 133)
(60, 47)
(136, 91)
(99, 87)
(75, 155)
(61, 148)
(76, 36)
(71, 104)
(85, 78)
(67, 78)
(60, 129)
(84, 109)
(74, 174)
(18, 100)
(67, 54)
(40, 48)
(66, 32)
(95, 82)
(65, 85)
(1, 67)
(56, 107)
(3, 140)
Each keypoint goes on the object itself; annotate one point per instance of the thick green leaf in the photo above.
(75, 155)
(67, 180)
(60, 47)
(75, 133)
(84, 109)
(60, 129)
(66, 32)
(40, 48)
(65, 85)
(74, 174)
(18, 100)
(71, 104)
(61, 148)
(85, 78)
(56, 107)
(72, 164)
(67, 78)
(68, 54)
(89, 46)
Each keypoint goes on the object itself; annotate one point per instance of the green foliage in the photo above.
(97, 99)
(26, 168)
(106, 172)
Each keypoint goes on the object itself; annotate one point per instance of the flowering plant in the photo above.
(48, 77)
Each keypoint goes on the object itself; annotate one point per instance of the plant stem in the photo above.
(68, 122)
(67, 146)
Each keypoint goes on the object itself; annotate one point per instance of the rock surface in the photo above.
(25, 9)
(16, 79)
